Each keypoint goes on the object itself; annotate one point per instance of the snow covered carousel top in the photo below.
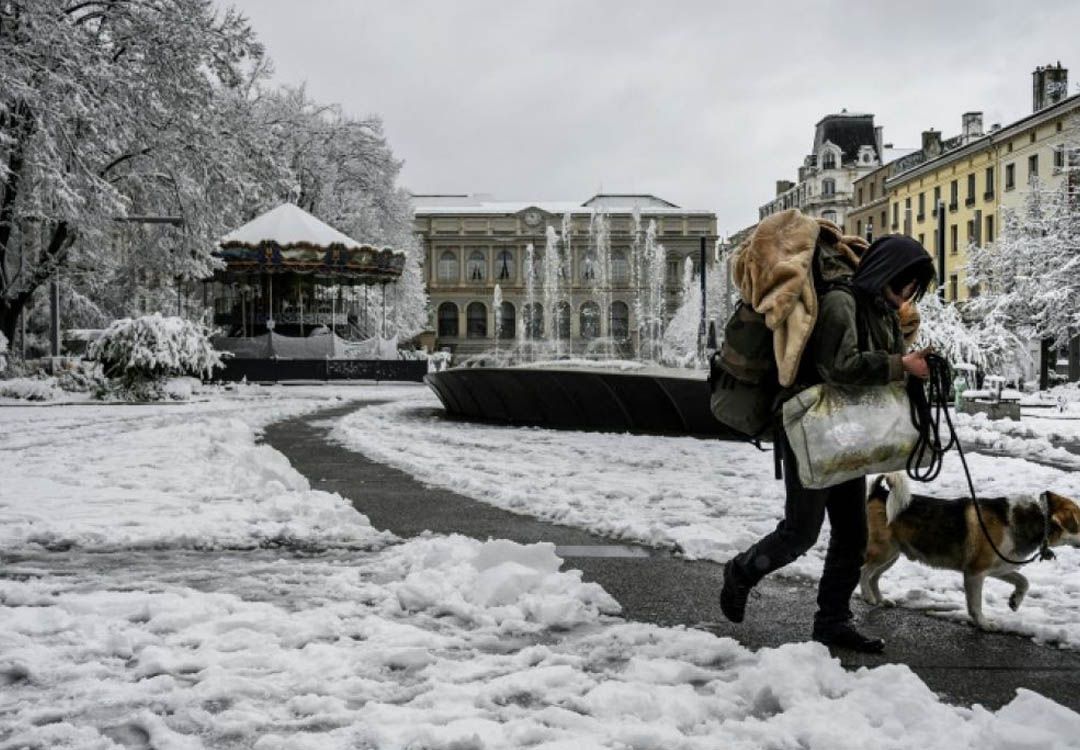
(288, 239)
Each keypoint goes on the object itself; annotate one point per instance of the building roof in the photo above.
(457, 204)
(847, 130)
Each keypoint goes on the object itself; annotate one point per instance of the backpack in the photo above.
(744, 384)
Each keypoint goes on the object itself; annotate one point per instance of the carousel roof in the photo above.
(288, 239)
(288, 225)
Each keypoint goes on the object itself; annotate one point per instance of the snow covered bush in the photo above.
(141, 353)
(30, 389)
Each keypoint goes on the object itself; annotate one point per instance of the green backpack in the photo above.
(743, 377)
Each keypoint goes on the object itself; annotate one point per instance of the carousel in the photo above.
(297, 299)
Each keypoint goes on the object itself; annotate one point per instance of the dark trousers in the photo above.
(804, 512)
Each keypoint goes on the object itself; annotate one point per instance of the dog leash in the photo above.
(928, 404)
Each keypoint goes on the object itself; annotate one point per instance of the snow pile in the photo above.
(245, 650)
(1017, 439)
(708, 499)
(101, 477)
(30, 389)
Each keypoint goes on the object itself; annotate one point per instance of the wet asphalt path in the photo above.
(960, 663)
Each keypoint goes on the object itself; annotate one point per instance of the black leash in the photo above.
(928, 404)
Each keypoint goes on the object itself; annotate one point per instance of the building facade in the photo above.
(846, 147)
(977, 175)
(474, 243)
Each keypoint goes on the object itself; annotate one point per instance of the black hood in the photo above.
(886, 259)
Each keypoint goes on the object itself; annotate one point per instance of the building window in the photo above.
(829, 160)
(860, 196)
(922, 239)
(448, 320)
(562, 323)
(504, 262)
(937, 197)
(588, 268)
(1010, 176)
(534, 320)
(620, 267)
(476, 320)
(829, 216)
(895, 215)
(989, 228)
(970, 200)
(954, 195)
(922, 207)
(884, 223)
(872, 186)
(1031, 138)
(971, 231)
(1033, 167)
(989, 184)
(954, 245)
(590, 320)
(828, 187)
(448, 266)
(620, 320)
(474, 269)
(507, 321)
(673, 276)
(858, 227)
(1059, 158)
(954, 287)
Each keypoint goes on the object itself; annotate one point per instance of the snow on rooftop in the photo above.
(427, 204)
(287, 225)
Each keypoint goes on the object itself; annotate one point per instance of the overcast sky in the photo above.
(703, 105)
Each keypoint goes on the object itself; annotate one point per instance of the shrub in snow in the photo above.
(30, 389)
(143, 352)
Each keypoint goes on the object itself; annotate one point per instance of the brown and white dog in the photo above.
(947, 534)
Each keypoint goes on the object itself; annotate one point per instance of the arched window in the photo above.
(507, 321)
(620, 320)
(563, 314)
(476, 320)
(474, 269)
(828, 161)
(534, 320)
(448, 266)
(448, 319)
(620, 267)
(828, 186)
(590, 320)
(504, 265)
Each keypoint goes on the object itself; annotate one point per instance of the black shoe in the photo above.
(733, 595)
(844, 635)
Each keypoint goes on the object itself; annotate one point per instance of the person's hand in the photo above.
(915, 364)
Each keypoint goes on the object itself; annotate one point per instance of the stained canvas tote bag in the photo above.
(837, 433)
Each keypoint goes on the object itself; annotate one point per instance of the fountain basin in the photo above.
(651, 400)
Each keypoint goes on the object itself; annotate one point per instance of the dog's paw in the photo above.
(886, 602)
(986, 626)
(1015, 600)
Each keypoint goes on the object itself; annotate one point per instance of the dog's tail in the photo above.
(899, 495)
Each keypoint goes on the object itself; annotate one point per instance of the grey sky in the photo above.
(703, 104)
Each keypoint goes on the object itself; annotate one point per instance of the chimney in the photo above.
(1049, 86)
(972, 125)
(931, 142)
(878, 136)
(782, 186)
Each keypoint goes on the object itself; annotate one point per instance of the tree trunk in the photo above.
(1044, 365)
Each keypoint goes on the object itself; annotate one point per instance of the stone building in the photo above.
(846, 147)
(474, 242)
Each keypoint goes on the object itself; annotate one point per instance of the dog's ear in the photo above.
(1064, 513)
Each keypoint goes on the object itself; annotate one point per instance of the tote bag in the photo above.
(837, 433)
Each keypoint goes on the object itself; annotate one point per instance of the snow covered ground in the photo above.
(708, 499)
(169, 583)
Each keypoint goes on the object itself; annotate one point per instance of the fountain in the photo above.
(547, 384)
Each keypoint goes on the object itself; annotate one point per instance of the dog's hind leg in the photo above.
(973, 586)
(872, 571)
(1020, 586)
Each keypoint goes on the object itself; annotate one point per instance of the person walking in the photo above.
(856, 340)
